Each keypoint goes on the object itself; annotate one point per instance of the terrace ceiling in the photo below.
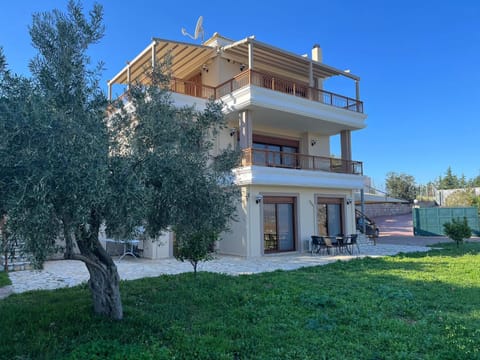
(266, 57)
(187, 57)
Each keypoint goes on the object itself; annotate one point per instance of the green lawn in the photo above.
(412, 306)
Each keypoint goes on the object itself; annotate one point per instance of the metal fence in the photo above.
(429, 221)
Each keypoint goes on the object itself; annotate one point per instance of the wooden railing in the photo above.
(268, 81)
(192, 88)
(300, 161)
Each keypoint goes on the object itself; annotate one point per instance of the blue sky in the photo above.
(419, 63)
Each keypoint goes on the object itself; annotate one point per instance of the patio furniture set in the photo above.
(334, 245)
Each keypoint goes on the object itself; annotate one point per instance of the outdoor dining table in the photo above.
(341, 243)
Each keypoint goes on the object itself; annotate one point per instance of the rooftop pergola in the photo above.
(253, 53)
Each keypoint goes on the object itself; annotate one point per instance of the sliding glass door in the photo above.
(329, 216)
(279, 224)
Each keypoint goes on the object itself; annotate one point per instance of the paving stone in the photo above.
(67, 273)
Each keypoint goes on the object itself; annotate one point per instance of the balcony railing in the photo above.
(288, 160)
(268, 81)
(192, 88)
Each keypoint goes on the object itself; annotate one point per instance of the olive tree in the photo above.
(57, 176)
(189, 184)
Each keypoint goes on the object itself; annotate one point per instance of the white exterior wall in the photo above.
(159, 248)
(250, 225)
(219, 71)
(246, 235)
(235, 241)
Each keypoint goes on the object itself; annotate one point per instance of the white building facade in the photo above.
(283, 120)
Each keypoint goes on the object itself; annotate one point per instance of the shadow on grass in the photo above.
(408, 306)
(450, 249)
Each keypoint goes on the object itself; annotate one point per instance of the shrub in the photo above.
(457, 230)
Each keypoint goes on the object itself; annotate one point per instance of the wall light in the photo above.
(258, 198)
(313, 142)
(349, 201)
(242, 67)
(233, 131)
(205, 67)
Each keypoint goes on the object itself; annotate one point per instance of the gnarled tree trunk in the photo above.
(104, 279)
(68, 237)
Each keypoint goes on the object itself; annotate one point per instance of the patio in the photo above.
(66, 273)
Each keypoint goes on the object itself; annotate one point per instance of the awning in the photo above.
(266, 57)
(185, 58)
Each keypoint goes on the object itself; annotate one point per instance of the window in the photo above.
(271, 151)
(329, 216)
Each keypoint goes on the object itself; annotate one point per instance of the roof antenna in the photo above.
(198, 30)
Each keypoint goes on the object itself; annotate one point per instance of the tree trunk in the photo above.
(104, 285)
(104, 279)
(67, 235)
(3, 231)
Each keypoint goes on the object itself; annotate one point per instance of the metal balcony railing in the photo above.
(288, 160)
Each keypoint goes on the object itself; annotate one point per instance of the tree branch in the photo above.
(86, 260)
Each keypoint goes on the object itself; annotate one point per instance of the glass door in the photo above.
(330, 216)
(279, 224)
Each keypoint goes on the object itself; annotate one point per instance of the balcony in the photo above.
(267, 81)
(288, 160)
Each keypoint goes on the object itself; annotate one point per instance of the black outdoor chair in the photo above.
(353, 242)
(329, 244)
(341, 243)
(319, 245)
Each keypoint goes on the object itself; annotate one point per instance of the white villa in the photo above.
(283, 120)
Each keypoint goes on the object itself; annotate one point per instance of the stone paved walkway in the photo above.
(66, 273)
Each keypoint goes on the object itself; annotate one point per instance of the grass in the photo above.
(412, 306)
(4, 279)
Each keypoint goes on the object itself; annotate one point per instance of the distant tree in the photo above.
(475, 182)
(189, 190)
(401, 186)
(450, 181)
(457, 230)
(476, 202)
(57, 177)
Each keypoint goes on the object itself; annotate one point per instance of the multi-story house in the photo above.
(283, 120)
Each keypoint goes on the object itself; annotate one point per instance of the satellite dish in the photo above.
(198, 30)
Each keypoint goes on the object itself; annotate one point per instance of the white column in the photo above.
(346, 144)
(128, 76)
(245, 127)
(311, 82)
(153, 54)
(310, 75)
(250, 55)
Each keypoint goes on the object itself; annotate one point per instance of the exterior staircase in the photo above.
(364, 239)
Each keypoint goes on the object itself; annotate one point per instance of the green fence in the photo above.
(429, 221)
